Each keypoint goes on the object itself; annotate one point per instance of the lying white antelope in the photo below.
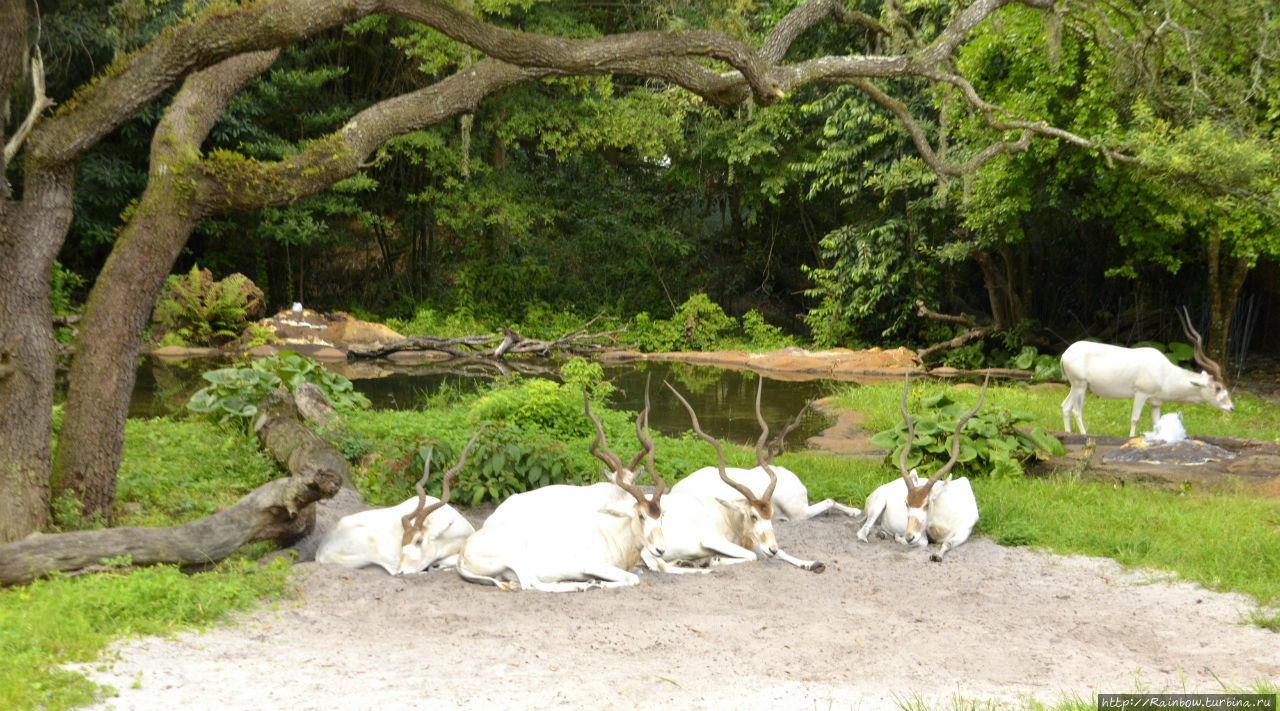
(420, 534)
(790, 498)
(1144, 374)
(724, 527)
(568, 538)
(938, 511)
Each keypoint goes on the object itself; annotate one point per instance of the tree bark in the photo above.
(1224, 289)
(281, 510)
(30, 235)
(122, 298)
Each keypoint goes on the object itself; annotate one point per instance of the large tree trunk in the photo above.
(1224, 289)
(105, 366)
(280, 510)
(30, 234)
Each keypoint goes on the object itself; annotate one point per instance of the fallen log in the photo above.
(281, 510)
(496, 346)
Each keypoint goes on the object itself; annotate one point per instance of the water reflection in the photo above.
(723, 399)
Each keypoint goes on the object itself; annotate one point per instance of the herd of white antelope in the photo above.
(564, 538)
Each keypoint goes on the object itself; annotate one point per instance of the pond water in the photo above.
(724, 399)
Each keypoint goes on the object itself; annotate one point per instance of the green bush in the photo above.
(701, 325)
(508, 459)
(543, 405)
(761, 335)
(991, 443)
(235, 392)
(201, 310)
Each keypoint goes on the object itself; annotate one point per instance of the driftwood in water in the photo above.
(281, 510)
(496, 346)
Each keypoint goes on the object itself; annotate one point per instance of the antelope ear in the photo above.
(737, 504)
(915, 476)
(1202, 380)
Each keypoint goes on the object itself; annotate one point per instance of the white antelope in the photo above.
(568, 538)
(726, 528)
(938, 511)
(790, 498)
(420, 534)
(1144, 374)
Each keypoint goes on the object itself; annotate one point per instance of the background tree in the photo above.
(218, 51)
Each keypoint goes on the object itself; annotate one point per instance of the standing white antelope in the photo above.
(726, 525)
(564, 538)
(790, 498)
(1144, 374)
(421, 533)
(940, 510)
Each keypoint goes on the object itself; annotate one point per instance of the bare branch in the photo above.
(39, 102)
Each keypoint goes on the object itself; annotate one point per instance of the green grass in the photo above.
(170, 473)
(61, 620)
(1043, 404)
(174, 472)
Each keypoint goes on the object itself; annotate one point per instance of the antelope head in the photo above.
(759, 509)
(648, 509)
(918, 494)
(414, 523)
(1213, 387)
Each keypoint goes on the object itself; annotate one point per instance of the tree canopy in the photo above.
(828, 164)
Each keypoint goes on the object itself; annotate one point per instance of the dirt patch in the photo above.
(846, 436)
(882, 624)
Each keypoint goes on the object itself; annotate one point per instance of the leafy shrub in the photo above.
(991, 443)
(202, 310)
(1042, 365)
(256, 335)
(650, 335)
(545, 405)
(508, 459)
(63, 285)
(698, 324)
(235, 392)
(762, 335)
(704, 323)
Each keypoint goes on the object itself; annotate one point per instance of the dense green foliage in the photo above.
(992, 442)
(197, 309)
(814, 216)
(235, 392)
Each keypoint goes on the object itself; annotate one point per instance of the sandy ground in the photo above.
(882, 625)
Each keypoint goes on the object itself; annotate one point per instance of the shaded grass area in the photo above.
(171, 473)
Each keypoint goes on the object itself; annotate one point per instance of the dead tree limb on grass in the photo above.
(280, 510)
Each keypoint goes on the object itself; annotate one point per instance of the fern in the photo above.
(202, 310)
